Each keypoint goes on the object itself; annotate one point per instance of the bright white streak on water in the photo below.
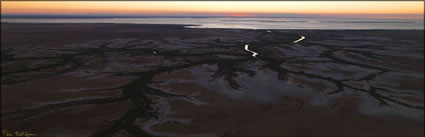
(253, 53)
(269, 31)
(302, 38)
(154, 52)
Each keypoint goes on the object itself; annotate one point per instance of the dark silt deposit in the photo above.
(120, 80)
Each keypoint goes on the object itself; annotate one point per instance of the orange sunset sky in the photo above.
(241, 8)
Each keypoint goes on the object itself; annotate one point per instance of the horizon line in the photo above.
(260, 15)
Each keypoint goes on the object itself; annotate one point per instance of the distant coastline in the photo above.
(49, 16)
(293, 23)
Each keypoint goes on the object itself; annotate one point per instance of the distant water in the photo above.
(325, 23)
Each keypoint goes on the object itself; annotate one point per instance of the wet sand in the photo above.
(166, 80)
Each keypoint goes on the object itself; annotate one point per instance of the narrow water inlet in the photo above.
(253, 53)
(302, 38)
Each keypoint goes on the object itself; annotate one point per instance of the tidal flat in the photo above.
(120, 80)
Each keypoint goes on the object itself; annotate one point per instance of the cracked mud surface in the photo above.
(166, 80)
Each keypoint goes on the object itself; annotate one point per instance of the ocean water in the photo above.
(324, 23)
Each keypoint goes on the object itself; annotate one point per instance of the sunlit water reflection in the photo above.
(250, 23)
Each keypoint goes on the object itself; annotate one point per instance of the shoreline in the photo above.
(188, 26)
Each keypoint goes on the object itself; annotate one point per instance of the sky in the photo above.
(414, 9)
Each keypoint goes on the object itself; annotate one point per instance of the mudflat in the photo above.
(167, 80)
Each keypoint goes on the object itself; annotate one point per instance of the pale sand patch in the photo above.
(295, 116)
